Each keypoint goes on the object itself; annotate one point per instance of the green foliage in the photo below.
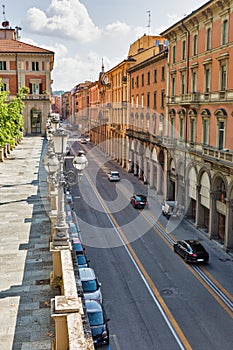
(11, 116)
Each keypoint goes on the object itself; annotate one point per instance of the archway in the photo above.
(36, 121)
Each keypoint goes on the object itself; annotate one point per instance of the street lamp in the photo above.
(54, 165)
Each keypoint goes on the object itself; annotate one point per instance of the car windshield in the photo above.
(95, 318)
(81, 259)
(89, 286)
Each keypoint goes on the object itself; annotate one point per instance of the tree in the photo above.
(11, 115)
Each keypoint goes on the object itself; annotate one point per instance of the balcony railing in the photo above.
(37, 97)
(223, 155)
(199, 97)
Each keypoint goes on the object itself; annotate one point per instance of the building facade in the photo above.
(30, 66)
(199, 145)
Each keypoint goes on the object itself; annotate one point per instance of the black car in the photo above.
(139, 201)
(191, 250)
(98, 322)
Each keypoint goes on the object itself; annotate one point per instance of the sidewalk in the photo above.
(25, 259)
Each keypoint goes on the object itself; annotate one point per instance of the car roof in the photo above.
(87, 273)
(76, 240)
(93, 305)
(140, 195)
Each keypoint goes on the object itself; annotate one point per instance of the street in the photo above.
(153, 298)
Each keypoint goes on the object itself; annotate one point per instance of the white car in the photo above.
(91, 285)
(114, 176)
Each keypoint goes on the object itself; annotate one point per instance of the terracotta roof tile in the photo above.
(8, 46)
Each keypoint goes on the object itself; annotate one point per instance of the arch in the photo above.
(220, 112)
(161, 117)
(147, 115)
(192, 181)
(172, 112)
(142, 115)
(36, 120)
(181, 112)
(192, 112)
(205, 112)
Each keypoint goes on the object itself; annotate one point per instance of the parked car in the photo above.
(73, 230)
(171, 209)
(91, 285)
(81, 260)
(114, 176)
(139, 201)
(98, 322)
(191, 251)
(77, 246)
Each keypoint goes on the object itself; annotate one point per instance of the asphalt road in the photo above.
(153, 299)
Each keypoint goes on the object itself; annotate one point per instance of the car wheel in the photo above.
(186, 258)
(174, 249)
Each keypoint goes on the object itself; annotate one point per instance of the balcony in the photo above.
(223, 156)
(37, 97)
(195, 98)
(139, 135)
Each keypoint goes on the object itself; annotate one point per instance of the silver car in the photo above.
(90, 284)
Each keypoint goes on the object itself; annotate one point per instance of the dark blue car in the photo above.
(98, 322)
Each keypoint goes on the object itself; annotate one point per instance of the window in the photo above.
(225, 32)
(35, 88)
(137, 81)
(182, 83)
(142, 121)
(155, 76)
(142, 79)
(2, 65)
(172, 123)
(155, 100)
(221, 133)
(174, 54)
(148, 78)
(205, 131)
(182, 128)
(3, 87)
(163, 73)
(207, 79)
(154, 124)
(162, 99)
(173, 86)
(132, 83)
(184, 50)
(208, 39)
(142, 100)
(223, 77)
(137, 101)
(195, 45)
(148, 100)
(192, 129)
(147, 122)
(194, 81)
(132, 101)
(35, 66)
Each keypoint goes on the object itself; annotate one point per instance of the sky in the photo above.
(83, 33)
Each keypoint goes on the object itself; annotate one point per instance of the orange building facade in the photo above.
(198, 147)
(27, 65)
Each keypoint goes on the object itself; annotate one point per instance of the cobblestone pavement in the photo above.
(25, 259)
